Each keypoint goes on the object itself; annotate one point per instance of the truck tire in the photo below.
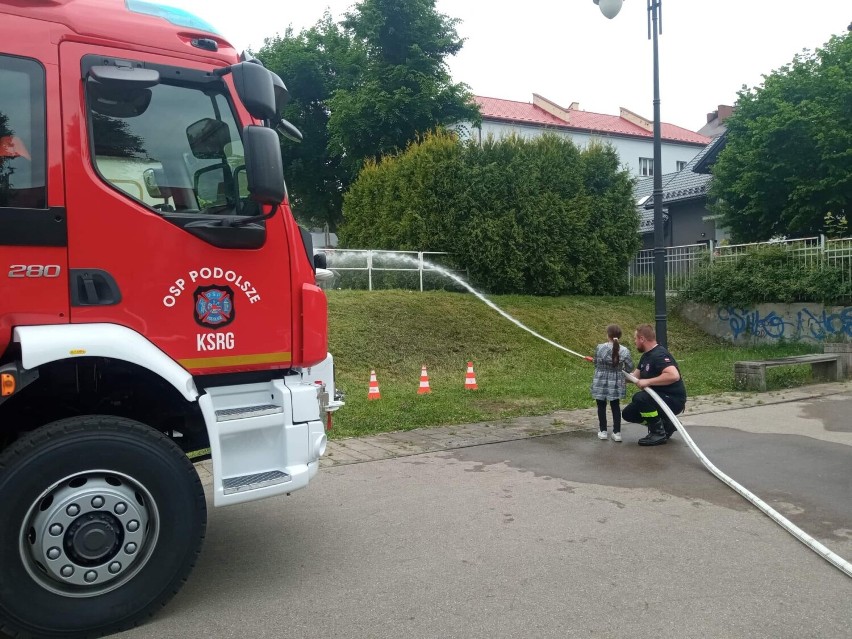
(102, 521)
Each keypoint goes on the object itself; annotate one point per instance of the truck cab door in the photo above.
(33, 234)
(156, 179)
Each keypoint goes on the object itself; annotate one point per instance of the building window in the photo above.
(680, 166)
(646, 167)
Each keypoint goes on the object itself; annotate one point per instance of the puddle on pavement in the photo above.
(578, 457)
(832, 411)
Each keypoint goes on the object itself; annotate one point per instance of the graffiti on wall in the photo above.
(805, 323)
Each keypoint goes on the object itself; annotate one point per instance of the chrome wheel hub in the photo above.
(89, 533)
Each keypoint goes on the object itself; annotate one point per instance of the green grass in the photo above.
(395, 332)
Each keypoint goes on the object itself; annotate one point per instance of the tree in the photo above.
(787, 166)
(361, 88)
(314, 64)
(405, 88)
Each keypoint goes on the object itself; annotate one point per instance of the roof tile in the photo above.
(525, 112)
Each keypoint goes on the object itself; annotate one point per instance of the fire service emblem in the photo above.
(214, 306)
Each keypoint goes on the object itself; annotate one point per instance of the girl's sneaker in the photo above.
(602, 434)
(616, 437)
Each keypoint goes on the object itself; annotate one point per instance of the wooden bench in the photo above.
(752, 375)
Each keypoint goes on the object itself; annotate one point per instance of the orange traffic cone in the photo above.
(470, 378)
(424, 382)
(374, 387)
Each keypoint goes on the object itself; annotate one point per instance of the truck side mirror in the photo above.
(207, 138)
(288, 130)
(254, 87)
(264, 168)
(282, 96)
(153, 179)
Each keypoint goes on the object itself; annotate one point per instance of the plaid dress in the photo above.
(608, 383)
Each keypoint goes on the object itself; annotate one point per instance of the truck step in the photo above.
(251, 482)
(227, 414)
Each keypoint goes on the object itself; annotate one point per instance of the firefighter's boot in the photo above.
(656, 434)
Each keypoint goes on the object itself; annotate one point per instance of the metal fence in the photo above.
(377, 269)
(682, 262)
(810, 250)
(838, 253)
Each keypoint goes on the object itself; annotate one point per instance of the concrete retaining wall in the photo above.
(769, 323)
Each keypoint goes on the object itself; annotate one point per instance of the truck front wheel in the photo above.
(102, 521)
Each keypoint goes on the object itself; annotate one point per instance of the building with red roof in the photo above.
(630, 134)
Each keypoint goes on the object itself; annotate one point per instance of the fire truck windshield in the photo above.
(175, 148)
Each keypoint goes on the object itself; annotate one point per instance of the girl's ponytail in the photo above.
(613, 332)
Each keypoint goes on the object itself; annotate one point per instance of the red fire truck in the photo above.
(156, 298)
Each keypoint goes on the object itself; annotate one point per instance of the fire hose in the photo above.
(834, 559)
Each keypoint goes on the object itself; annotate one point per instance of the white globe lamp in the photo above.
(609, 8)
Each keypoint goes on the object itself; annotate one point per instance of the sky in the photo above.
(567, 51)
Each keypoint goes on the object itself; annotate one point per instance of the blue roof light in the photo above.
(174, 15)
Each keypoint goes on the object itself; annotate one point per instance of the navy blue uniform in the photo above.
(642, 408)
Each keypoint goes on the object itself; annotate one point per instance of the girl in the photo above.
(608, 384)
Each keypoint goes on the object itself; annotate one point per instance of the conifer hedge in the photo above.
(539, 216)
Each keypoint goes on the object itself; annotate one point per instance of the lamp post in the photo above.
(610, 9)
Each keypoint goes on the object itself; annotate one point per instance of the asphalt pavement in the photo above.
(535, 528)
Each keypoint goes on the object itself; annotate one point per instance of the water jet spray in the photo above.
(481, 297)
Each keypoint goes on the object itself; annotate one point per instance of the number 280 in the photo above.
(34, 270)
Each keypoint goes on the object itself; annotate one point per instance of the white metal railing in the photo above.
(367, 266)
(838, 253)
(809, 249)
(681, 264)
